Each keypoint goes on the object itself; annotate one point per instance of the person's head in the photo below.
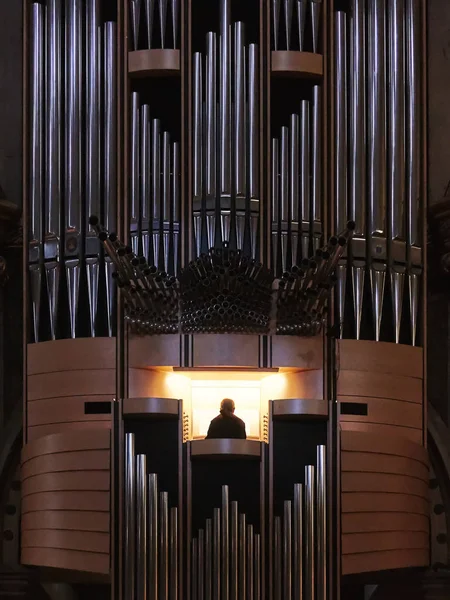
(227, 407)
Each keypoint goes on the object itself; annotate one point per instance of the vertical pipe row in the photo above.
(307, 13)
(160, 25)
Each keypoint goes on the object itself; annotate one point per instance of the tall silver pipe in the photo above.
(250, 565)
(216, 572)
(305, 190)
(149, 18)
(156, 188)
(145, 204)
(208, 559)
(341, 179)
(164, 546)
(321, 520)
(73, 150)
(175, 19)
(194, 569)
(53, 187)
(242, 557)
(276, 21)
(36, 163)
(257, 567)
(153, 535)
(376, 172)
(141, 525)
(357, 118)
(201, 565)
(301, 19)
(225, 546)
(135, 157)
(176, 200)
(310, 538)
(298, 540)
(110, 154)
(130, 516)
(287, 551)
(288, 9)
(253, 117)
(316, 9)
(166, 196)
(396, 155)
(225, 100)
(284, 193)
(240, 132)
(413, 157)
(278, 553)
(294, 145)
(275, 202)
(316, 166)
(211, 53)
(163, 20)
(135, 22)
(198, 129)
(93, 164)
(234, 546)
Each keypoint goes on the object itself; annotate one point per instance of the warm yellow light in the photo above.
(207, 395)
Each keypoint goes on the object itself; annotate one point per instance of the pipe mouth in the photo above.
(351, 225)
(93, 220)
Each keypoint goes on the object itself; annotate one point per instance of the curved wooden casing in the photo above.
(384, 465)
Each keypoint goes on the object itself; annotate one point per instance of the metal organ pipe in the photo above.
(141, 526)
(130, 516)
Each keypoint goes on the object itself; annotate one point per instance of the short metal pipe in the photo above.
(130, 516)
(201, 565)
(277, 566)
(234, 558)
(164, 546)
(298, 541)
(208, 559)
(174, 567)
(216, 553)
(310, 537)
(242, 558)
(321, 520)
(250, 558)
(141, 526)
(153, 535)
(287, 551)
(225, 546)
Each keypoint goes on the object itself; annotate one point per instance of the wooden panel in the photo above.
(386, 412)
(383, 431)
(381, 357)
(87, 541)
(40, 431)
(68, 481)
(384, 521)
(226, 350)
(64, 410)
(365, 383)
(148, 383)
(380, 501)
(92, 382)
(370, 462)
(85, 460)
(67, 500)
(88, 562)
(154, 351)
(64, 519)
(383, 561)
(155, 62)
(355, 441)
(354, 543)
(71, 355)
(297, 64)
(298, 385)
(376, 482)
(70, 441)
(297, 353)
(298, 407)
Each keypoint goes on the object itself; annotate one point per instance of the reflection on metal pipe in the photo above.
(316, 6)
(153, 535)
(240, 131)
(284, 194)
(174, 580)
(316, 167)
(162, 20)
(110, 145)
(234, 539)
(298, 540)
(397, 288)
(216, 554)
(257, 567)
(275, 204)
(294, 144)
(250, 558)
(301, 19)
(210, 158)
(277, 559)
(135, 22)
(341, 121)
(36, 163)
(253, 109)
(225, 528)
(288, 6)
(141, 525)
(175, 18)
(377, 283)
(164, 546)
(305, 192)
(201, 564)
(242, 558)
(321, 504)
(287, 551)
(149, 14)
(145, 179)
(276, 21)
(309, 531)
(358, 291)
(208, 559)
(130, 518)
(413, 288)
(198, 129)
(135, 143)
(225, 100)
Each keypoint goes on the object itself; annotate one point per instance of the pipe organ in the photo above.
(230, 193)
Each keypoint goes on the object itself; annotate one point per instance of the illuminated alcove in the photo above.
(201, 391)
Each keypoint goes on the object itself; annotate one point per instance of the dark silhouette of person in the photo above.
(227, 424)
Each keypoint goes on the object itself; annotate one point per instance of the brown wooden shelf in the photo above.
(297, 64)
(226, 448)
(154, 63)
